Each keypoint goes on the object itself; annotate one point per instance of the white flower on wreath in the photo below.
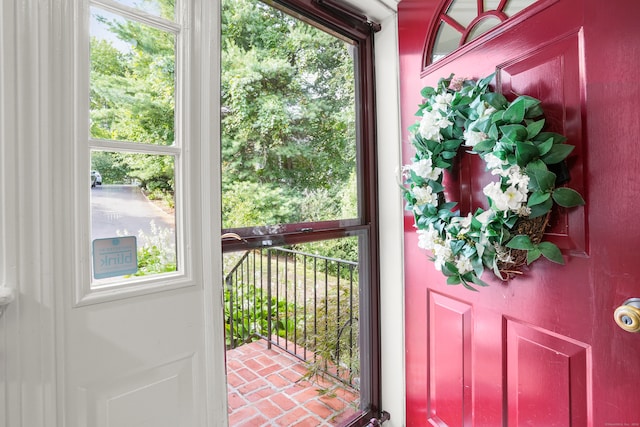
(442, 253)
(425, 195)
(486, 217)
(431, 123)
(485, 109)
(464, 223)
(472, 137)
(517, 178)
(442, 101)
(511, 199)
(428, 238)
(463, 264)
(424, 169)
(494, 162)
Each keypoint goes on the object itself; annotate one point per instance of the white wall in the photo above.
(391, 225)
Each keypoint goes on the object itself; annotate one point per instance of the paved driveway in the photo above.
(123, 209)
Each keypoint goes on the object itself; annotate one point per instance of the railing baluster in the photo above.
(269, 309)
(338, 323)
(351, 323)
(326, 306)
(286, 301)
(295, 304)
(304, 302)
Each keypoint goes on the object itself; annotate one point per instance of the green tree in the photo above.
(288, 99)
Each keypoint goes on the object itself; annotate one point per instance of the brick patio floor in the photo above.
(265, 389)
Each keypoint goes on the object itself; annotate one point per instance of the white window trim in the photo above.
(85, 290)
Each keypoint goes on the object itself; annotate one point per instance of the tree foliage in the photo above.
(288, 127)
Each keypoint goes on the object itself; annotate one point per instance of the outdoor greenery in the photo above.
(324, 321)
(246, 311)
(288, 138)
(288, 141)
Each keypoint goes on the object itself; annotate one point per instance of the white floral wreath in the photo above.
(508, 136)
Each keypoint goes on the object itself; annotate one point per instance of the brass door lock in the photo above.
(628, 315)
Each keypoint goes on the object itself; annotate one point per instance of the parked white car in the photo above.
(96, 178)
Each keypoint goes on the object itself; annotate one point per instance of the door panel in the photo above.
(542, 349)
(545, 370)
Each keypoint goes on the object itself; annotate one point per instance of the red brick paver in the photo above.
(266, 390)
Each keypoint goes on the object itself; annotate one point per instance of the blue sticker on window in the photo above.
(115, 256)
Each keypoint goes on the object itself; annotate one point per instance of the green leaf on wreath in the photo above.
(529, 102)
(522, 242)
(453, 280)
(427, 92)
(498, 117)
(452, 144)
(551, 252)
(538, 197)
(557, 138)
(541, 208)
(484, 82)
(449, 269)
(558, 153)
(448, 154)
(567, 197)
(436, 187)
(515, 112)
(511, 221)
(475, 279)
(441, 163)
(493, 131)
(533, 112)
(534, 128)
(545, 146)
(533, 255)
(496, 100)
(514, 133)
(468, 286)
(456, 246)
(536, 165)
(525, 152)
(484, 146)
(482, 125)
(542, 180)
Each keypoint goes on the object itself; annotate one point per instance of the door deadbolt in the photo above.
(627, 316)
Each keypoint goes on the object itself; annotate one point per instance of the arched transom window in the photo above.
(461, 21)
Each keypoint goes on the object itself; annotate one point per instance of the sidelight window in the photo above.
(135, 144)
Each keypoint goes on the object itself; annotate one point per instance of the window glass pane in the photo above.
(288, 120)
(463, 11)
(515, 6)
(491, 4)
(306, 300)
(132, 80)
(482, 27)
(162, 8)
(132, 195)
(447, 40)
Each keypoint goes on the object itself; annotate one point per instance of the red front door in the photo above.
(543, 349)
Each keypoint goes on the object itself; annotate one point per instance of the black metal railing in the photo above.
(302, 303)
